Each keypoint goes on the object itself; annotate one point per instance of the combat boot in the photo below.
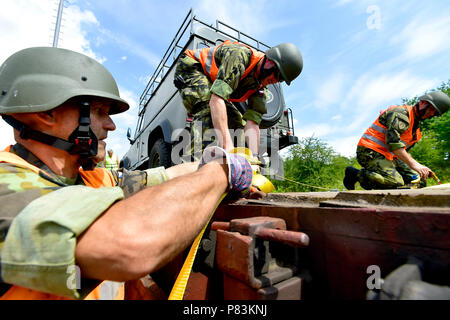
(351, 177)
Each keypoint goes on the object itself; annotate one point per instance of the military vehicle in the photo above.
(162, 118)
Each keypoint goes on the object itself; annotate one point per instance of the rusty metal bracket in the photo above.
(244, 252)
(206, 254)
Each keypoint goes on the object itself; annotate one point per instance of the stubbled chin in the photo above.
(101, 153)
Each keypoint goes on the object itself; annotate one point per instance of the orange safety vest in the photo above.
(96, 178)
(206, 57)
(375, 136)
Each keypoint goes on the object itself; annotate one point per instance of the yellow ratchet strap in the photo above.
(177, 293)
(179, 287)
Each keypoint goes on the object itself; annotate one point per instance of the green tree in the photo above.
(312, 165)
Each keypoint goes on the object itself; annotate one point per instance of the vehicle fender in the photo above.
(125, 163)
(167, 131)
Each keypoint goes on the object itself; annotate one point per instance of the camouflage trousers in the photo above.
(380, 173)
(195, 94)
(202, 133)
(194, 86)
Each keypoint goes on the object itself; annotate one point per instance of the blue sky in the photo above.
(359, 56)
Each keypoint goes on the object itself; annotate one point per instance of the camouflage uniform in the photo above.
(42, 214)
(232, 61)
(377, 171)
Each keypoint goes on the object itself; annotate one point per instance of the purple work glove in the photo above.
(240, 172)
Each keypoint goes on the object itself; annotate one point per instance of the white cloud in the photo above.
(314, 129)
(25, 24)
(368, 94)
(330, 91)
(249, 17)
(30, 23)
(117, 139)
(345, 146)
(145, 79)
(246, 16)
(334, 135)
(128, 44)
(371, 93)
(423, 38)
(6, 134)
(128, 118)
(73, 35)
(342, 2)
(337, 117)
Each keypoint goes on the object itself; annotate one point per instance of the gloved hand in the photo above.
(240, 172)
(247, 154)
(260, 184)
(256, 194)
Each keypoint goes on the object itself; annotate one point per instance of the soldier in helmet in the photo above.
(211, 79)
(65, 225)
(383, 149)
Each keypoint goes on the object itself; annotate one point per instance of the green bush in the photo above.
(312, 165)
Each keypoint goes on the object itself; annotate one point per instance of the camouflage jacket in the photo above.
(42, 214)
(232, 61)
(396, 121)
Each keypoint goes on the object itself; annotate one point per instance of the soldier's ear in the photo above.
(46, 117)
(423, 104)
(270, 64)
(35, 120)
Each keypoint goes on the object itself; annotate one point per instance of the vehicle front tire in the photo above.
(160, 155)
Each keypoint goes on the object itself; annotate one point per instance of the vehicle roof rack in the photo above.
(175, 49)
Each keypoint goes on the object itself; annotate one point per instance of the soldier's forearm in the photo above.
(220, 121)
(403, 155)
(138, 235)
(252, 134)
(182, 169)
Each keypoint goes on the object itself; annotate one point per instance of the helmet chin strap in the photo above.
(82, 140)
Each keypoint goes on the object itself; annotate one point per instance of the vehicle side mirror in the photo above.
(129, 135)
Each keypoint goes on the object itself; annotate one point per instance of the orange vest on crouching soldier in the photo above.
(375, 136)
(206, 58)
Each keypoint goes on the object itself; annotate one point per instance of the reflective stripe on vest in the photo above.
(383, 131)
(95, 179)
(375, 139)
(208, 62)
(111, 163)
(375, 136)
(206, 58)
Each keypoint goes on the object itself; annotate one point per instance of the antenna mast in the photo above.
(58, 23)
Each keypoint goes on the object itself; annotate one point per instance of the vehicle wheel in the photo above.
(160, 155)
(275, 107)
